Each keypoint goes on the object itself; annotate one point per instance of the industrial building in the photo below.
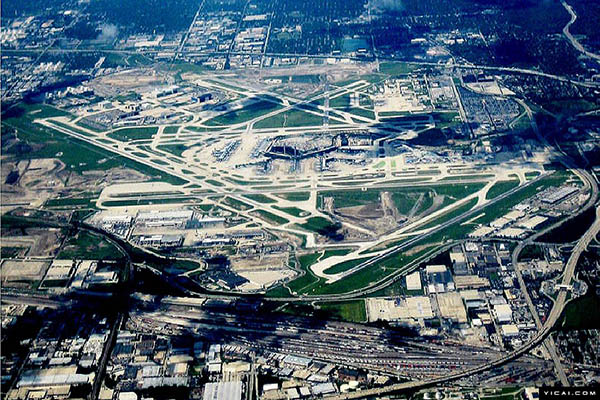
(451, 307)
(558, 195)
(439, 278)
(399, 309)
(470, 282)
(413, 281)
(223, 391)
(503, 313)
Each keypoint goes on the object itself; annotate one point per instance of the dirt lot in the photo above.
(21, 273)
(40, 242)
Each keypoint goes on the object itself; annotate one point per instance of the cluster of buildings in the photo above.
(475, 296)
(79, 275)
(159, 229)
(62, 361)
(529, 215)
(402, 95)
(60, 275)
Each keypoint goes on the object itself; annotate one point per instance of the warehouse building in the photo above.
(503, 313)
(223, 391)
(439, 278)
(413, 281)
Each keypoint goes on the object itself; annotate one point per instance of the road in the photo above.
(570, 37)
(525, 71)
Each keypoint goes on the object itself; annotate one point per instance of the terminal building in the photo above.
(172, 219)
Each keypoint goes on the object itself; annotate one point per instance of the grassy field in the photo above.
(171, 129)
(358, 197)
(237, 204)
(345, 266)
(49, 143)
(176, 149)
(70, 202)
(245, 114)
(291, 118)
(351, 311)
(216, 183)
(296, 196)
(129, 134)
(294, 211)
(308, 279)
(270, 217)
(320, 225)
(396, 68)
(501, 187)
(87, 246)
(260, 198)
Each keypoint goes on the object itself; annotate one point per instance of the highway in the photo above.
(184, 53)
(570, 37)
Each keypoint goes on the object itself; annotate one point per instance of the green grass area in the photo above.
(237, 204)
(351, 198)
(245, 114)
(336, 252)
(570, 230)
(294, 211)
(501, 187)
(351, 311)
(295, 196)
(215, 183)
(531, 175)
(176, 149)
(70, 202)
(320, 225)
(581, 313)
(88, 246)
(260, 198)
(345, 266)
(128, 134)
(9, 251)
(308, 279)
(291, 118)
(361, 112)
(81, 157)
(171, 129)
(531, 252)
(396, 68)
(270, 217)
